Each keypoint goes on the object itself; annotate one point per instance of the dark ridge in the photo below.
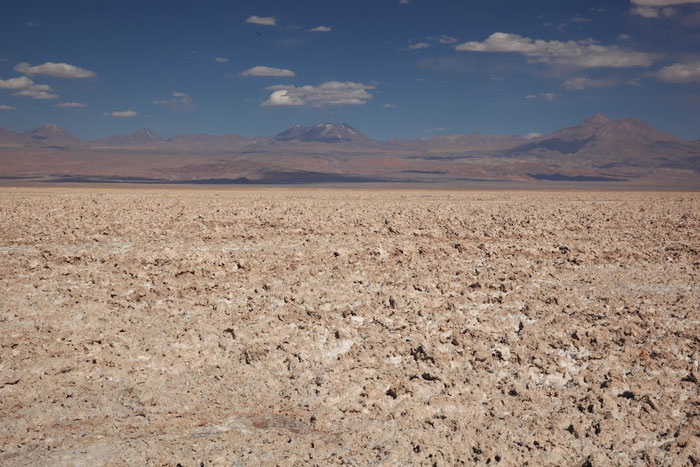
(628, 162)
(270, 178)
(575, 178)
(434, 172)
(439, 158)
(554, 144)
(689, 163)
(71, 179)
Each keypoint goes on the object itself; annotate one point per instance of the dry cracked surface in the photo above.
(317, 327)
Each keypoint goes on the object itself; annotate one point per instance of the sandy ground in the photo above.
(317, 327)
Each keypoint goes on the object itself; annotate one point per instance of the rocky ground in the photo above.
(317, 327)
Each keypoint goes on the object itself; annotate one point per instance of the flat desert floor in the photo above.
(321, 327)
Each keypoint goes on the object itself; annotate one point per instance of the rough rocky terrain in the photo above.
(321, 327)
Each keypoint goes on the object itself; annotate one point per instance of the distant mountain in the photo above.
(142, 137)
(9, 137)
(451, 143)
(605, 143)
(598, 149)
(323, 133)
(50, 136)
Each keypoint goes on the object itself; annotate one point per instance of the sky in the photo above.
(391, 68)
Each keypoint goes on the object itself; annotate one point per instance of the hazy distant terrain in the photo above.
(327, 327)
(598, 149)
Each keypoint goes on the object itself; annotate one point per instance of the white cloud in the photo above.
(578, 84)
(57, 70)
(321, 29)
(268, 71)
(121, 114)
(656, 8)
(221, 59)
(418, 45)
(262, 20)
(404, 2)
(585, 53)
(177, 98)
(532, 135)
(70, 105)
(16, 83)
(624, 37)
(447, 39)
(680, 73)
(633, 82)
(580, 19)
(24, 86)
(328, 93)
(388, 106)
(30, 25)
(651, 12)
(658, 3)
(6, 107)
(548, 96)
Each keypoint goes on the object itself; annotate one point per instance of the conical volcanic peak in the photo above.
(144, 135)
(323, 133)
(598, 119)
(49, 131)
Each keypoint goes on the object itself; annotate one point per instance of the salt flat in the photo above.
(309, 326)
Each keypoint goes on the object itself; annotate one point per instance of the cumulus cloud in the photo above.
(268, 71)
(221, 59)
(262, 20)
(581, 83)
(548, 96)
(178, 98)
(24, 86)
(585, 53)
(680, 73)
(70, 105)
(57, 70)
(16, 83)
(418, 45)
(121, 114)
(532, 135)
(6, 107)
(321, 29)
(328, 93)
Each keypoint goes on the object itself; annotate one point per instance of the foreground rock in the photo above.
(325, 327)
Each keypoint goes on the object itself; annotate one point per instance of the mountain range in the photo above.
(598, 149)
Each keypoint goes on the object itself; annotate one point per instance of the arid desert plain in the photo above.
(321, 327)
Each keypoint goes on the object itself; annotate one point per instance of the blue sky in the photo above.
(391, 68)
